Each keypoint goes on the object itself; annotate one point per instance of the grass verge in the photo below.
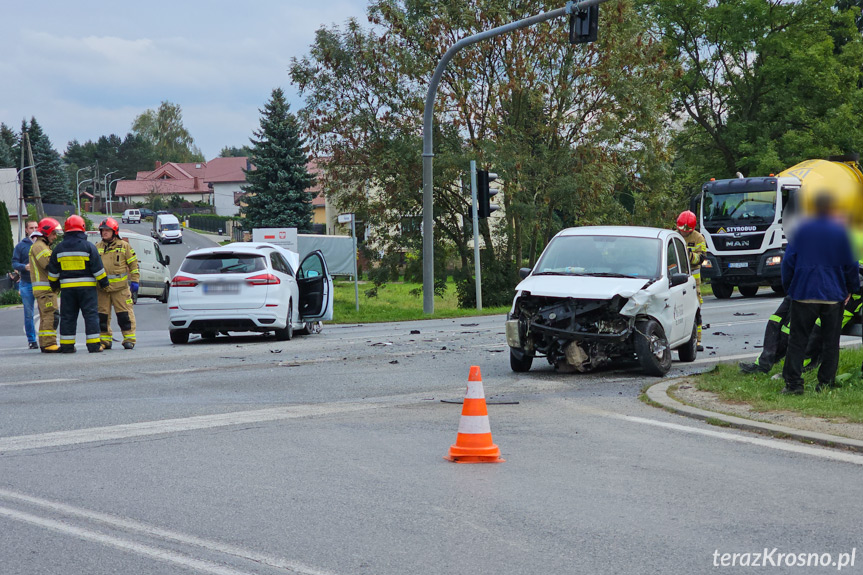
(762, 392)
(395, 302)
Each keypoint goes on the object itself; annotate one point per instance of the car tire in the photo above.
(689, 351)
(164, 297)
(208, 335)
(519, 360)
(179, 336)
(748, 291)
(651, 347)
(722, 290)
(287, 333)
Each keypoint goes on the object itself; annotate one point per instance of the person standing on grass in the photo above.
(819, 274)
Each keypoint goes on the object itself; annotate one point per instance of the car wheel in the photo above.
(288, 332)
(651, 347)
(689, 351)
(722, 290)
(164, 297)
(519, 360)
(748, 291)
(310, 327)
(208, 335)
(179, 336)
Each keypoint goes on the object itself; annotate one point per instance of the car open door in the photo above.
(316, 288)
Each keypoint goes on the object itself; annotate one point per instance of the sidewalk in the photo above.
(793, 427)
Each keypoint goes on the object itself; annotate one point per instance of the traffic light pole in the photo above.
(477, 264)
(428, 123)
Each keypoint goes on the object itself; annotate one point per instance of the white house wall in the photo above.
(223, 198)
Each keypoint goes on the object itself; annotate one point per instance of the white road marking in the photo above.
(158, 532)
(124, 544)
(835, 455)
(35, 381)
(147, 428)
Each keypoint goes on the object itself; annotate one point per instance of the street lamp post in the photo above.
(110, 201)
(76, 185)
(105, 183)
(78, 192)
(21, 200)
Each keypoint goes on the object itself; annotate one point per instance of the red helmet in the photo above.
(47, 226)
(74, 224)
(110, 224)
(686, 221)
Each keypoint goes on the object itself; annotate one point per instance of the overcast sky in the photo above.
(86, 68)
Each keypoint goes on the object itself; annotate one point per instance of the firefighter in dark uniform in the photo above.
(121, 265)
(76, 267)
(46, 297)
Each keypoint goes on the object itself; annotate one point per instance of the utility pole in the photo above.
(37, 197)
(572, 8)
(477, 266)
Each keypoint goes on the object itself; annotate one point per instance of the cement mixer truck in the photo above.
(744, 220)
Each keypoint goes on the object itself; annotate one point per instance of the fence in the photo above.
(210, 223)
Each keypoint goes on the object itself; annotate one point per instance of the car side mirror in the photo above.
(679, 279)
(167, 260)
(524, 272)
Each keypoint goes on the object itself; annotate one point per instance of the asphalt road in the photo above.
(325, 455)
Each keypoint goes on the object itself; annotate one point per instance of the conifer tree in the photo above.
(277, 195)
(53, 181)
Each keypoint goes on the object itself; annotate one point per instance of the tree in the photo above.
(761, 85)
(277, 194)
(7, 246)
(233, 152)
(127, 157)
(165, 130)
(6, 158)
(53, 181)
(9, 144)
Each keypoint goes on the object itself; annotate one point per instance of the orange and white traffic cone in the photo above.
(473, 443)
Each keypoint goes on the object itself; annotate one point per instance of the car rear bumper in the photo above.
(197, 321)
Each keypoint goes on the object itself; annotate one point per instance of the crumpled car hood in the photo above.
(582, 287)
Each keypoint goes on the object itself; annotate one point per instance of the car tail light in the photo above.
(183, 281)
(263, 280)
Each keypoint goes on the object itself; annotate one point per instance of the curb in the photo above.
(659, 394)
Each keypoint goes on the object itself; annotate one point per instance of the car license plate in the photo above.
(738, 265)
(225, 288)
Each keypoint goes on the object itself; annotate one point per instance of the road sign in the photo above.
(283, 237)
(345, 218)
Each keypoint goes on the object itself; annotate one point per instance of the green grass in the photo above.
(762, 393)
(394, 302)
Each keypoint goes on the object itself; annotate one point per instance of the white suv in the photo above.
(249, 286)
(131, 217)
(600, 294)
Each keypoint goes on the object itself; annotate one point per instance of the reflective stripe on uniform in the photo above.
(41, 286)
(65, 340)
(786, 329)
(776, 318)
(132, 259)
(77, 282)
(117, 278)
(43, 254)
(47, 333)
(53, 276)
(129, 336)
(100, 274)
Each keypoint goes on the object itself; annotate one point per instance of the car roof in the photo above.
(620, 231)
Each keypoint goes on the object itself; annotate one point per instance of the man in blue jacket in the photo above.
(21, 263)
(819, 273)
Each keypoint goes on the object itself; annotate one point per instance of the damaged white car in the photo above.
(598, 295)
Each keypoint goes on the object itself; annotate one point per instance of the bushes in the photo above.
(7, 246)
(208, 222)
(10, 297)
(498, 284)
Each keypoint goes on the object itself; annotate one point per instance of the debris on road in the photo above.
(469, 324)
(719, 333)
(740, 313)
(415, 332)
(394, 361)
(382, 343)
(275, 351)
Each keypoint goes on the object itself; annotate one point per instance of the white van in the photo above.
(131, 217)
(166, 229)
(152, 264)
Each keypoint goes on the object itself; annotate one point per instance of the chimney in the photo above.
(158, 164)
(197, 182)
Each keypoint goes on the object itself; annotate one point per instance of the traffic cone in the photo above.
(473, 443)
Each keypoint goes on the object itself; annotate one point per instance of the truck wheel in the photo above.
(722, 290)
(748, 291)
(689, 351)
(179, 336)
(519, 360)
(778, 290)
(651, 347)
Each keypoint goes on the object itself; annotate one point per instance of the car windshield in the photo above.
(601, 256)
(223, 263)
(749, 207)
(170, 226)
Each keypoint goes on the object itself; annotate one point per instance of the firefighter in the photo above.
(696, 247)
(121, 265)
(46, 232)
(76, 268)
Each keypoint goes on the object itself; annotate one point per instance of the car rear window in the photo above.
(224, 263)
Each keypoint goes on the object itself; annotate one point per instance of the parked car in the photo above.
(155, 278)
(131, 216)
(249, 287)
(146, 213)
(600, 294)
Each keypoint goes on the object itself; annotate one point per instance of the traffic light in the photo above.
(484, 193)
(584, 25)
